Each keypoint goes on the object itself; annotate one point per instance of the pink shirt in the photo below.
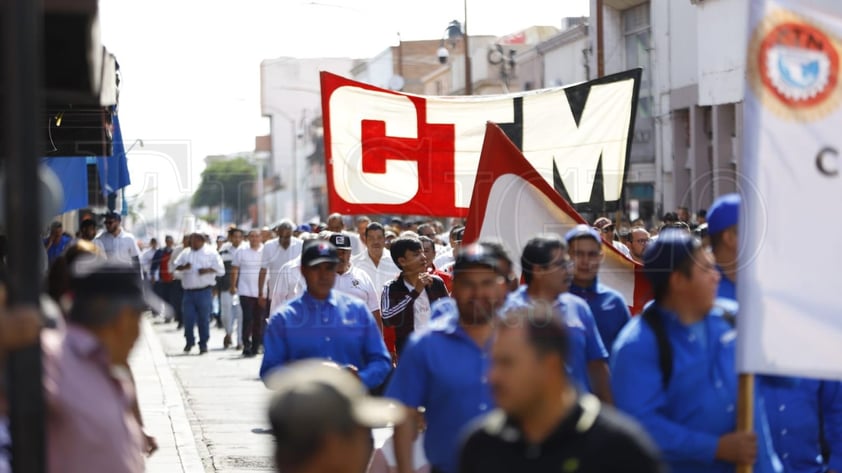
(90, 424)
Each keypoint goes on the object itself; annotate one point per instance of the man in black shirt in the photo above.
(542, 422)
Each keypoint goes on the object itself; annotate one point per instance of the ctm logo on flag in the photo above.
(395, 153)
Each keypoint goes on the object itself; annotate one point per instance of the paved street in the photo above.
(207, 412)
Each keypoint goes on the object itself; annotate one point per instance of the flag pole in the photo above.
(745, 411)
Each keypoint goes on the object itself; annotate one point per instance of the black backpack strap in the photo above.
(825, 445)
(659, 328)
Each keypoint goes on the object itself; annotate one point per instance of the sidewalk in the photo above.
(207, 412)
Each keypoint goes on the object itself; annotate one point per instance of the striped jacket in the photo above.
(398, 306)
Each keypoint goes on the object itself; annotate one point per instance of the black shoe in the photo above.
(180, 325)
(187, 348)
(226, 342)
(203, 350)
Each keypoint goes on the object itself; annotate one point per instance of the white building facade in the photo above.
(290, 96)
(688, 128)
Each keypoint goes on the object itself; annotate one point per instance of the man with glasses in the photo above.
(548, 272)
(638, 239)
(608, 306)
(118, 245)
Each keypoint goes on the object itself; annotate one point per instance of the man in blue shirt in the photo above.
(608, 306)
(804, 415)
(548, 270)
(56, 242)
(323, 323)
(444, 368)
(722, 231)
(673, 368)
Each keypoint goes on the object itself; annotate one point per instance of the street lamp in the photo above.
(453, 31)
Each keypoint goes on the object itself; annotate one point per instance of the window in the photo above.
(638, 36)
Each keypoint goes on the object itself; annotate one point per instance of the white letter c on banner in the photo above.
(349, 106)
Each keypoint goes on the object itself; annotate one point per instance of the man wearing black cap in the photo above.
(544, 424)
(117, 244)
(324, 323)
(444, 369)
(90, 394)
(548, 270)
(352, 280)
(674, 368)
(321, 418)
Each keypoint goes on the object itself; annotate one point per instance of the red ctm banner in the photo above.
(394, 153)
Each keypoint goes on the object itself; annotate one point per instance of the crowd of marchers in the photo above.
(364, 324)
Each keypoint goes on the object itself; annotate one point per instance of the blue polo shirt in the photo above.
(699, 404)
(339, 328)
(444, 370)
(585, 342)
(609, 309)
(727, 289)
(793, 406)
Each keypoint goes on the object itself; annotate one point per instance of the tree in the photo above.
(227, 184)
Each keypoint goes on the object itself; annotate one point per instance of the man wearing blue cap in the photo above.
(804, 415)
(673, 368)
(722, 231)
(609, 307)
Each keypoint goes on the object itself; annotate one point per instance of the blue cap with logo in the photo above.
(724, 213)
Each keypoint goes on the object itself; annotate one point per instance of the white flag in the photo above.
(789, 284)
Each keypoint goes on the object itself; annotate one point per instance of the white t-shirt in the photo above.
(379, 275)
(121, 248)
(356, 283)
(248, 260)
(274, 256)
(421, 309)
(146, 261)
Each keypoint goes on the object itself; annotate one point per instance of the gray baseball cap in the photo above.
(314, 396)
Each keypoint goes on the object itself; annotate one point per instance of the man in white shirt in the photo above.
(146, 259)
(376, 261)
(276, 252)
(199, 266)
(352, 280)
(335, 224)
(230, 312)
(445, 260)
(245, 272)
(117, 244)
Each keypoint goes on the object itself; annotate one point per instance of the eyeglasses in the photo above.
(642, 241)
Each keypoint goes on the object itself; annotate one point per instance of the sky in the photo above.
(190, 69)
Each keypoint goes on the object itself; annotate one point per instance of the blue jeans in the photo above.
(196, 309)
